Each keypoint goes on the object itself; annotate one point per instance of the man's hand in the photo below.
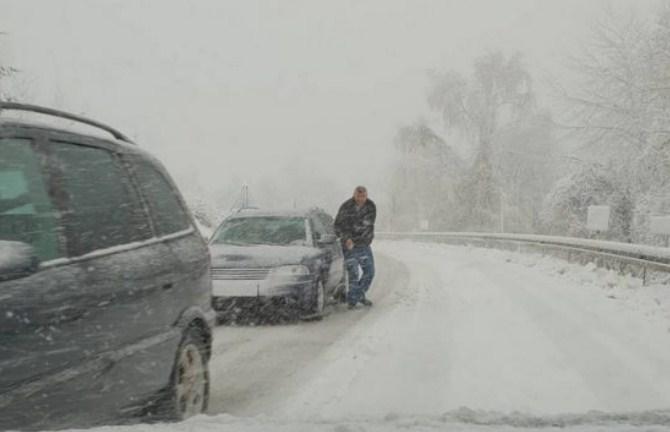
(349, 244)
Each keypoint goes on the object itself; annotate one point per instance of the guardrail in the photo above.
(651, 264)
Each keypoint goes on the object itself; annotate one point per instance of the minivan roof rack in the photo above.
(14, 106)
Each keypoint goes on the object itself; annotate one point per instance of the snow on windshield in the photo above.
(262, 231)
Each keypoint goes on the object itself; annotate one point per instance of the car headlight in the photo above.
(290, 270)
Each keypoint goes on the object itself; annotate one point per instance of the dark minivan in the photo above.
(105, 289)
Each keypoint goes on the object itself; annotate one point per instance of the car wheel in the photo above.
(316, 302)
(189, 390)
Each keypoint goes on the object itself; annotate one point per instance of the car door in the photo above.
(123, 306)
(322, 225)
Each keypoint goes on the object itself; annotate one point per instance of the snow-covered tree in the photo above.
(478, 197)
(654, 200)
(498, 92)
(566, 206)
(494, 112)
(424, 177)
(526, 168)
(619, 109)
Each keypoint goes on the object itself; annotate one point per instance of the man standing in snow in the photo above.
(355, 226)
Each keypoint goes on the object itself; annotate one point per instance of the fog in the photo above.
(300, 100)
(512, 272)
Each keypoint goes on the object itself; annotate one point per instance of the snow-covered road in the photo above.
(456, 327)
(459, 339)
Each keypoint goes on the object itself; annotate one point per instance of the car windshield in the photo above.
(274, 231)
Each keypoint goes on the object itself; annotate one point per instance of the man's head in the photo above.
(360, 195)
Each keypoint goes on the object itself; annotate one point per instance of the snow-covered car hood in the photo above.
(260, 256)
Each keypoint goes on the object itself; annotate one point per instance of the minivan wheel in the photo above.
(189, 392)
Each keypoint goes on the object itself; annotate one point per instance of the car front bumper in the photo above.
(295, 287)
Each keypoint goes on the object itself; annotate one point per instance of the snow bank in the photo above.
(463, 419)
(653, 300)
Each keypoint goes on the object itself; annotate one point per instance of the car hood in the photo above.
(228, 256)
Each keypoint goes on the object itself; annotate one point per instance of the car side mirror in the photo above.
(17, 260)
(327, 239)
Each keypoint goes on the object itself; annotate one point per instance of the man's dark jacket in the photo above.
(357, 224)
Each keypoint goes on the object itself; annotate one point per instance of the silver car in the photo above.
(272, 258)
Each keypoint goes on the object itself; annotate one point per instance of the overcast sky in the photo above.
(228, 92)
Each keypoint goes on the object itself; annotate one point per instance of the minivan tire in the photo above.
(188, 393)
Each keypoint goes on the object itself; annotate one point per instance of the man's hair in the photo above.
(360, 189)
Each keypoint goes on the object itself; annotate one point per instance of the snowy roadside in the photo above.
(652, 300)
(464, 420)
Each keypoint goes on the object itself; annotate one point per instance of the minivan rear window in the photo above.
(168, 214)
(101, 207)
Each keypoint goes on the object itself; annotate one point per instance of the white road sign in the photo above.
(660, 225)
(598, 218)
